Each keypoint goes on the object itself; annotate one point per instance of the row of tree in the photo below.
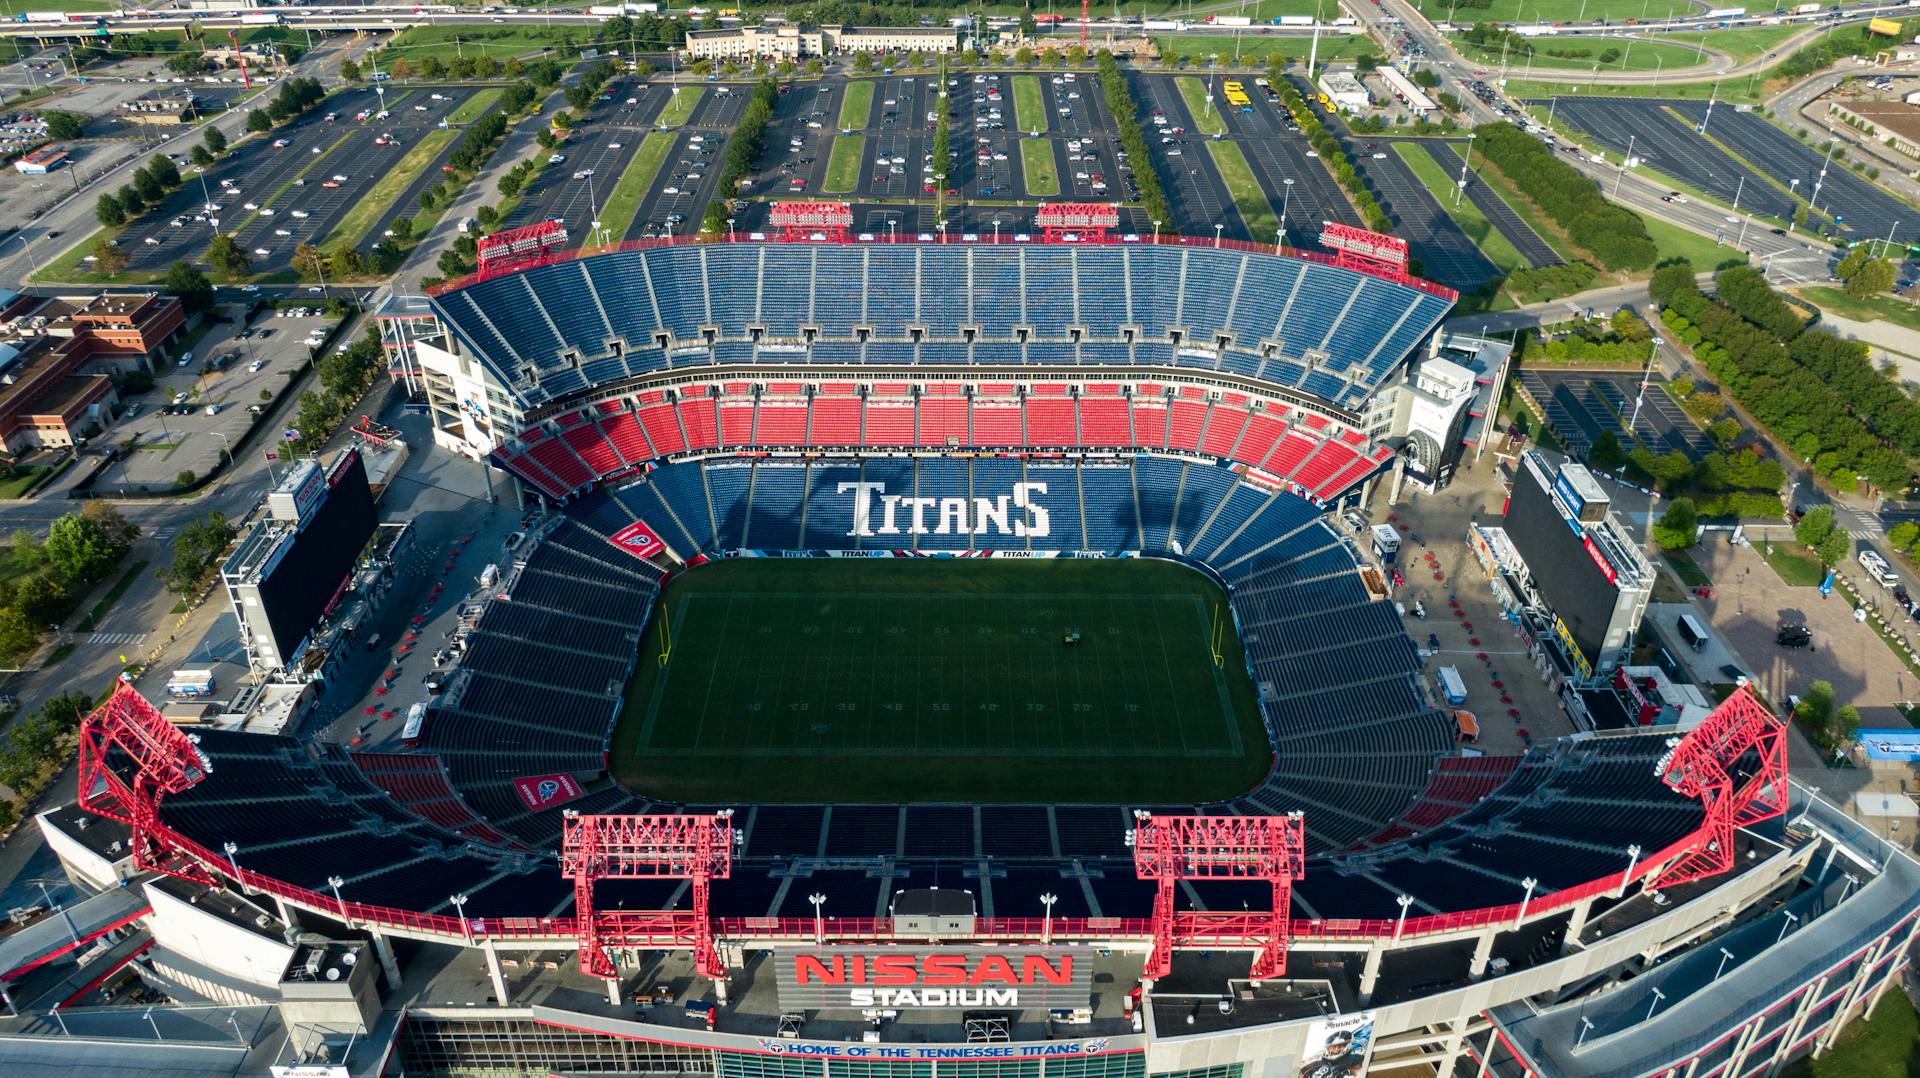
(48, 577)
(1332, 153)
(295, 97)
(1615, 236)
(37, 746)
(148, 186)
(1818, 394)
(742, 151)
(1126, 123)
(344, 376)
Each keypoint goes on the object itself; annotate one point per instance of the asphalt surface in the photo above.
(290, 179)
(597, 151)
(1446, 253)
(1581, 405)
(1277, 155)
(1664, 136)
(1524, 239)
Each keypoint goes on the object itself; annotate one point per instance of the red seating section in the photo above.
(1458, 784)
(419, 785)
(1305, 449)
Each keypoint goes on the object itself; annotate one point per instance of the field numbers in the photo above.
(1034, 707)
(989, 707)
(809, 630)
(941, 706)
(800, 705)
(894, 706)
(1082, 709)
(846, 705)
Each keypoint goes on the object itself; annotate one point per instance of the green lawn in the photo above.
(1524, 206)
(1471, 221)
(843, 164)
(1672, 240)
(1029, 114)
(922, 680)
(680, 106)
(1634, 55)
(1037, 165)
(447, 42)
(1207, 120)
(25, 476)
(1256, 48)
(1687, 569)
(69, 269)
(1885, 1047)
(1248, 197)
(1735, 91)
(624, 201)
(1878, 309)
(366, 213)
(856, 109)
(474, 106)
(1796, 567)
(1749, 42)
(60, 5)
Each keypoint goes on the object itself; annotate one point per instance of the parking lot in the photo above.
(200, 406)
(1446, 253)
(1664, 136)
(294, 186)
(1580, 405)
(596, 153)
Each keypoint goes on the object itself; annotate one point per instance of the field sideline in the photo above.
(940, 680)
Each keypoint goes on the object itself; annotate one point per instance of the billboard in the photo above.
(1338, 1047)
(1573, 580)
(310, 571)
(1890, 744)
(900, 978)
(1886, 27)
(638, 540)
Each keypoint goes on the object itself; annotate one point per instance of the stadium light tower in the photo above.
(1217, 229)
(697, 848)
(334, 883)
(466, 927)
(819, 922)
(1046, 926)
(1529, 883)
(1171, 848)
(1400, 925)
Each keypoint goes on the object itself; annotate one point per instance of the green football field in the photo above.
(915, 680)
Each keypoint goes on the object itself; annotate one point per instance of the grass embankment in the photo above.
(1730, 91)
(1037, 166)
(1248, 196)
(416, 43)
(1256, 49)
(1029, 110)
(843, 164)
(367, 212)
(631, 190)
(1887, 1045)
(1635, 55)
(1877, 309)
(1206, 115)
(475, 106)
(1498, 249)
(856, 109)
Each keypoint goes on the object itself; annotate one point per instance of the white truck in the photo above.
(256, 18)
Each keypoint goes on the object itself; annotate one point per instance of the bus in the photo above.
(411, 733)
(1237, 95)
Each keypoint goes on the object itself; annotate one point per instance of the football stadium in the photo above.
(938, 659)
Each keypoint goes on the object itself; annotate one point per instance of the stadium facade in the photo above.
(1377, 904)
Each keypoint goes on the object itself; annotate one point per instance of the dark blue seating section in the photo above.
(1325, 330)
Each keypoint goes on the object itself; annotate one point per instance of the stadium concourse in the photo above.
(1378, 900)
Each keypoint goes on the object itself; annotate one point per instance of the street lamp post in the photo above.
(1401, 925)
(1156, 232)
(1618, 176)
(1286, 196)
(232, 848)
(1786, 926)
(819, 922)
(156, 1026)
(31, 261)
(1046, 926)
(1725, 957)
(466, 927)
(1217, 228)
(1633, 860)
(1529, 883)
(1657, 997)
(1465, 164)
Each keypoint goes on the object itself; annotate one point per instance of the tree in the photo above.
(1366, 62)
(1816, 705)
(186, 63)
(258, 122)
(227, 258)
(216, 142)
(1833, 550)
(118, 530)
(42, 598)
(185, 478)
(1426, 78)
(130, 200)
(349, 71)
(306, 260)
(1816, 525)
(78, 549)
(402, 228)
(109, 212)
(24, 552)
(1902, 535)
(1846, 723)
(433, 67)
(1678, 527)
(202, 156)
(190, 285)
(1606, 452)
(65, 126)
(863, 62)
(487, 216)
(108, 258)
(18, 634)
(402, 69)
(1871, 277)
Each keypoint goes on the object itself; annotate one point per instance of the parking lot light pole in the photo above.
(1465, 164)
(1618, 176)
(1217, 227)
(1286, 196)
(31, 261)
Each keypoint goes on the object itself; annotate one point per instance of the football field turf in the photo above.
(915, 680)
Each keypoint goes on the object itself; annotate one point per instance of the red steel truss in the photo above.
(812, 222)
(661, 846)
(1171, 848)
(1735, 762)
(1370, 252)
(1076, 222)
(519, 244)
(160, 759)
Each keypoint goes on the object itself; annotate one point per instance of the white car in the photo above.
(301, 214)
(419, 108)
(554, 159)
(254, 367)
(437, 97)
(250, 206)
(151, 241)
(613, 145)
(267, 211)
(316, 151)
(262, 251)
(669, 190)
(282, 232)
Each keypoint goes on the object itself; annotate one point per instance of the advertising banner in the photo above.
(901, 978)
(545, 791)
(1338, 1047)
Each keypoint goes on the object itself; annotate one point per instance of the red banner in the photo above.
(638, 540)
(545, 791)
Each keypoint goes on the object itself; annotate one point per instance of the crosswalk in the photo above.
(116, 638)
(1859, 523)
